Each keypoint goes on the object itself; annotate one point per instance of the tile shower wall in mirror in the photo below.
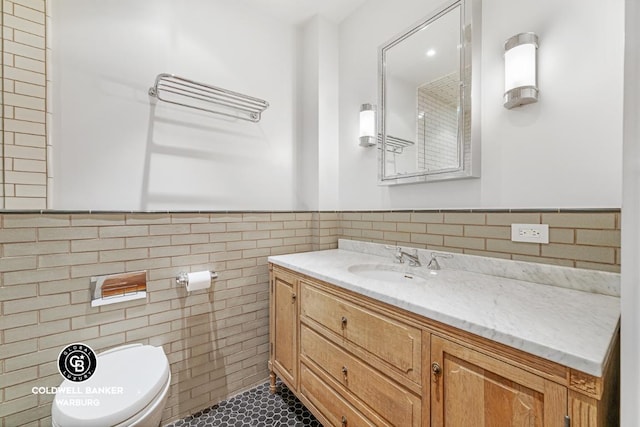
(437, 124)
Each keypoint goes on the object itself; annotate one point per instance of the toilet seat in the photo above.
(151, 415)
(127, 382)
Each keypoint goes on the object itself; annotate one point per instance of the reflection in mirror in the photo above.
(425, 97)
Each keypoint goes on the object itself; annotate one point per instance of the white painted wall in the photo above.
(307, 101)
(317, 180)
(630, 301)
(563, 152)
(112, 150)
(328, 115)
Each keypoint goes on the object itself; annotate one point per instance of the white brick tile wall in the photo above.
(24, 89)
(45, 267)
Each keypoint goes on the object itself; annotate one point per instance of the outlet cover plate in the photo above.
(530, 233)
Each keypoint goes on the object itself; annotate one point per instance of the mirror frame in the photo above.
(471, 18)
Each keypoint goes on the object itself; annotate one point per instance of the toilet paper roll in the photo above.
(198, 280)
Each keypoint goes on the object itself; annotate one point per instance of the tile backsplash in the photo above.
(581, 238)
(216, 340)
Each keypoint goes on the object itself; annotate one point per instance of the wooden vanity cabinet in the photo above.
(354, 361)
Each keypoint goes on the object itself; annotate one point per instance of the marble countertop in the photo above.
(571, 327)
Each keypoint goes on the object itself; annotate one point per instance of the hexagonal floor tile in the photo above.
(255, 407)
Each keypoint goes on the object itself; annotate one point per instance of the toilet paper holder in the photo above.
(182, 278)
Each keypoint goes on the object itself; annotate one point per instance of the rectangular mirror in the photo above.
(429, 98)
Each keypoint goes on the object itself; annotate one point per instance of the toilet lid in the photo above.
(126, 380)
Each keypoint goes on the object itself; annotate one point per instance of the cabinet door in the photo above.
(472, 389)
(284, 324)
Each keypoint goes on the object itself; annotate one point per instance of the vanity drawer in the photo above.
(396, 344)
(394, 404)
(333, 407)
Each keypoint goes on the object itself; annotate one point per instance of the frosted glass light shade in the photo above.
(520, 70)
(367, 125)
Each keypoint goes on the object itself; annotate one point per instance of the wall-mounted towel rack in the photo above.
(394, 144)
(188, 93)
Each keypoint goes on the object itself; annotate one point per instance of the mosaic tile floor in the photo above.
(255, 408)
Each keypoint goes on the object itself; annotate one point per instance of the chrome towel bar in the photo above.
(191, 94)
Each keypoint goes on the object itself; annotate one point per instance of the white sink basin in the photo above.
(388, 273)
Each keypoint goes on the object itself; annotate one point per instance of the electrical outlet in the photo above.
(530, 233)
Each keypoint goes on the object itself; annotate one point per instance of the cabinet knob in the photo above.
(344, 421)
(344, 374)
(344, 322)
(437, 370)
(294, 297)
(435, 367)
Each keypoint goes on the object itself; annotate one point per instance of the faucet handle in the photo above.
(433, 263)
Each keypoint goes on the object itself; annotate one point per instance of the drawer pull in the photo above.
(344, 322)
(344, 373)
(344, 421)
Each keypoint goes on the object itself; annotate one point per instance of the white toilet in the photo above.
(129, 388)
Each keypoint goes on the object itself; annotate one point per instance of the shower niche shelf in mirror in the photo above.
(429, 97)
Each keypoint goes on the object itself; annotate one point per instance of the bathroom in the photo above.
(101, 179)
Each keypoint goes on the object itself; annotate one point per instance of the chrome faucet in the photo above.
(400, 255)
(433, 262)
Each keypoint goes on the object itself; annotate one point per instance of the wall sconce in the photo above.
(520, 70)
(367, 125)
